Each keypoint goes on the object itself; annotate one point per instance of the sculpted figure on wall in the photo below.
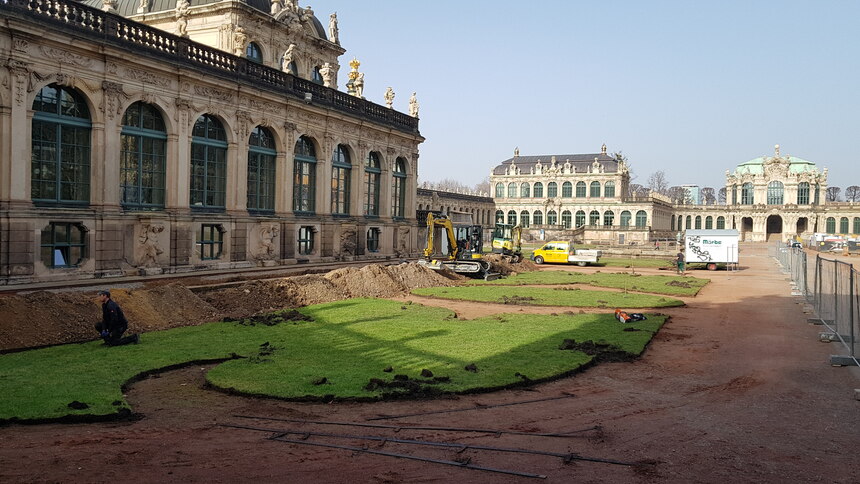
(240, 41)
(327, 73)
(266, 247)
(287, 58)
(149, 246)
(401, 249)
(347, 242)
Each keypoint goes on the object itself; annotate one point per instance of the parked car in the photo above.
(563, 252)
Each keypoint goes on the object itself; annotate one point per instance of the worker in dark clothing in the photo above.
(113, 323)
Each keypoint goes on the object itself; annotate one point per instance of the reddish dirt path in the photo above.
(735, 388)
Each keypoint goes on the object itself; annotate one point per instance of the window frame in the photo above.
(206, 246)
(140, 136)
(341, 177)
(66, 247)
(305, 240)
(304, 177)
(372, 177)
(261, 171)
(212, 196)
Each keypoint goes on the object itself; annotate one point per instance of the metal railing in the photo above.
(832, 288)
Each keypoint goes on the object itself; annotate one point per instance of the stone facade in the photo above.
(79, 197)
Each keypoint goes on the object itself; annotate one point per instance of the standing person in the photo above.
(680, 261)
(113, 323)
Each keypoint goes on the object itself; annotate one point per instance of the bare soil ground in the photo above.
(735, 388)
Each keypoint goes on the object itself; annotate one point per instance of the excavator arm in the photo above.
(440, 221)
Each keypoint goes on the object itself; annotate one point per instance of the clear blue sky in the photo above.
(692, 88)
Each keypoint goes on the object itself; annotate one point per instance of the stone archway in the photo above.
(746, 227)
(773, 227)
(802, 226)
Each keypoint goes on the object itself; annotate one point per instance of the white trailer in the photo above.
(711, 247)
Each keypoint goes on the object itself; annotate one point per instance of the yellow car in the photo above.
(563, 252)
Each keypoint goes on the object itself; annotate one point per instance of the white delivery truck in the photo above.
(711, 247)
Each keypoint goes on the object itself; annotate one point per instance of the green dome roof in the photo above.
(795, 165)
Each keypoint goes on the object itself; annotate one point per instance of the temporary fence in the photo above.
(832, 288)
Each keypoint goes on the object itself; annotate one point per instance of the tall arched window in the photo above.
(595, 190)
(142, 158)
(830, 225)
(538, 191)
(775, 191)
(60, 170)
(398, 189)
(689, 223)
(304, 176)
(856, 226)
(721, 222)
(734, 194)
(566, 219)
(253, 53)
(594, 218)
(551, 191)
(538, 217)
(580, 189)
(500, 217)
(579, 221)
(500, 190)
(671, 227)
(341, 178)
(261, 170)
(372, 174)
(512, 217)
(641, 218)
(843, 225)
(698, 222)
(747, 194)
(567, 190)
(552, 218)
(524, 218)
(208, 163)
(524, 190)
(816, 197)
(709, 222)
(608, 218)
(803, 193)
(609, 189)
(626, 217)
(512, 190)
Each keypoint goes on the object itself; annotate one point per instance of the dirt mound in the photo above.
(505, 267)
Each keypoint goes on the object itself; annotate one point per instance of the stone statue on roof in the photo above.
(287, 59)
(327, 73)
(181, 13)
(413, 106)
(240, 41)
(389, 97)
(332, 29)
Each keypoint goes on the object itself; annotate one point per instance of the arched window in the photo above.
(579, 221)
(372, 174)
(261, 170)
(208, 163)
(253, 53)
(595, 190)
(512, 217)
(304, 176)
(641, 218)
(843, 225)
(775, 191)
(60, 170)
(856, 226)
(747, 194)
(566, 219)
(142, 158)
(341, 177)
(500, 190)
(580, 189)
(373, 234)
(512, 190)
(803, 193)
(398, 189)
(671, 227)
(608, 218)
(689, 223)
(551, 191)
(567, 190)
(500, 217)
(524, 218)
(609, 189)
(830, 225)
(698, 222)
(552, 218)
(538, 192)
(538, 217)
(626, 216)
(594, 218)
(709, 222)
(316, 76)
(816, 196)
(524, 190)
(721, 222)
(734, 194)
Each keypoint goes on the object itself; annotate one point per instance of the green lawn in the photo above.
(670, 285)
(540, 296)
(347, 343)
(640, 262)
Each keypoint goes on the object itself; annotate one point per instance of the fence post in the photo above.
(836, 295)
(818, 283)
(851, 306)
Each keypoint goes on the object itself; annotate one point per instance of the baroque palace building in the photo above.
(585, 197)
(158, 136)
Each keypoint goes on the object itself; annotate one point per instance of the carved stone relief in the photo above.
(65, 57)
(264, 243)
(113, 99)
(148, 247)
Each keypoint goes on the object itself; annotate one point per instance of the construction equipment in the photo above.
(507, 240)
(460, 248)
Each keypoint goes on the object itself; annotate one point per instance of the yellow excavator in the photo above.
(508, 241)
(460, 254)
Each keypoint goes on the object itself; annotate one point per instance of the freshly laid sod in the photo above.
(540, 296)
(671, 285)
(334, 356)
(638, 262)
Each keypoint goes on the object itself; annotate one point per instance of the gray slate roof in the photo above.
(581, 162)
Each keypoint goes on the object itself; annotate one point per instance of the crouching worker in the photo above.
(113, 323)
